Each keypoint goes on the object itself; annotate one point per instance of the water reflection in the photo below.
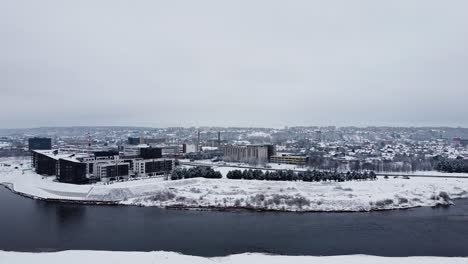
(70, 213)
(64, 213)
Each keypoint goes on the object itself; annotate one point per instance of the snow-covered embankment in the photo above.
(392, 193)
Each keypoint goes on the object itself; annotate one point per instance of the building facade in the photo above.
(112, 170)
(153, 167)
(289, 159)
(39, 143)
(84, 167)
(134, 141)
(252, 154)
(151, 153)
(71, 171)
(44, 162)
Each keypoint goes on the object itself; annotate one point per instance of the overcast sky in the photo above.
(233, 63)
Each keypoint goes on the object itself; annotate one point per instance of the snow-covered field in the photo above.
(392, 193)
(223, 167)
(234, 165)
(161, 257)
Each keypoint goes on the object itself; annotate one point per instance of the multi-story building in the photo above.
(153, 167)
(170, 151)
(107, 171)
(67, 167)
(289, 159)
(102, 165)
(92, 161)
(134, 141)
(133, 150)
(188, 148)
(44, 162)
(150, 153)
(71, 170)
(258, 154)
(40, 143)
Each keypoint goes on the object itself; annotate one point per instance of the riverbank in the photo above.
(227, 194)
(162, 257)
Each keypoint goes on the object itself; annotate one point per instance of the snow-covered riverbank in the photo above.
(392, 193)
(161, 257)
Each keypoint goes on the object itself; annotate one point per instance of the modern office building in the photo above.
(289, 159)
(45, 162)
(170, 151)
(134, 141)
(102, 165)
(133, 150)
(67, 167)
(153, 167)
(106, 153)
(112, 170)
(40, 143)
(143, 151)
(71, 170)
(150, 153)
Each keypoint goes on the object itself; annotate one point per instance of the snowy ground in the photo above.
(235, 165)
(392, 193)
(161, 257)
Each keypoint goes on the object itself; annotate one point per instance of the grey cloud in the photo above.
(259, 63)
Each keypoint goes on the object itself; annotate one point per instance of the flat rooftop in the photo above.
(61, 155)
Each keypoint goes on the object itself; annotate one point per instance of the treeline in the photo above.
(452, 165)
(400, 163)
(280, 175)
(308, 176)
(204, 172)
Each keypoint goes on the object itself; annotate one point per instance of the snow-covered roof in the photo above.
(56, 155)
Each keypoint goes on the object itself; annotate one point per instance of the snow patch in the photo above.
(162, 257)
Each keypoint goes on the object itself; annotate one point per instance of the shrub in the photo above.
(383, 203)
(298, 201)
(162, 196)
(402, 200)
(276, 199)
(195, 190)
(444, 196)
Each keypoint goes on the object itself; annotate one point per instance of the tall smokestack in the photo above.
(198, 141)
(219, 138)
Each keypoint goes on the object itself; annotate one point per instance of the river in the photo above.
(30, 225)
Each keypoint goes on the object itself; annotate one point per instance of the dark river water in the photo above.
(29, 225)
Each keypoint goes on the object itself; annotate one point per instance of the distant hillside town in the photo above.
(89, 154)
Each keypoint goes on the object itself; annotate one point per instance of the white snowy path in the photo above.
(392, 193)
(161, 257)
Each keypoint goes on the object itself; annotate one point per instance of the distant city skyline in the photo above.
(213, 128)
(242, 63)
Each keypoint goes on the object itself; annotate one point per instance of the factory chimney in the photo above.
(198, 141)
